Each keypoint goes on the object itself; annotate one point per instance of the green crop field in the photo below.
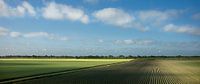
(128, 71)
(14, 68)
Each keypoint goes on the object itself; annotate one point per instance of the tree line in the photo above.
(97, 56)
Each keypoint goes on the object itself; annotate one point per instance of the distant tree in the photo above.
(121, 56)
(110, 56)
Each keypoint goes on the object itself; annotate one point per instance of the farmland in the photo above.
(137, 71)
(14, 68)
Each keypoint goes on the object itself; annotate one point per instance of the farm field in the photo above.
(142, 71)
(128, 71)
(19, 67)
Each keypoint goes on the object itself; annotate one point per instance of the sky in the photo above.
(100, 27)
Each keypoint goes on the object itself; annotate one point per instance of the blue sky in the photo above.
(99, 27)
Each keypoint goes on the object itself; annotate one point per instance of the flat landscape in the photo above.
(99, 41)
(17, 68)
(123, 71)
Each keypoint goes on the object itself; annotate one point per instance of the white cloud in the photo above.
(141, 20)
(182, 29)
(52, 12)
(36, 34)
(45, 35)
(114, 16)
(196, 16)
(156, 16)
(6, 10)
(20, 10)
(15, 34)
(85, 19)
(56, 11)
(29, 8)
(134, 42)
(3, 31)
(128, 41)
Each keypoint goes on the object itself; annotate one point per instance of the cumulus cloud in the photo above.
(20, 10)
(3, 31)
(29, 8)
(142, 20)
(134, 42)
(56, 11)
(182, 29)
(114, 16)
(6, 10)
(51, 11)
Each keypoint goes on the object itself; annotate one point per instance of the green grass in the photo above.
(20, 67)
